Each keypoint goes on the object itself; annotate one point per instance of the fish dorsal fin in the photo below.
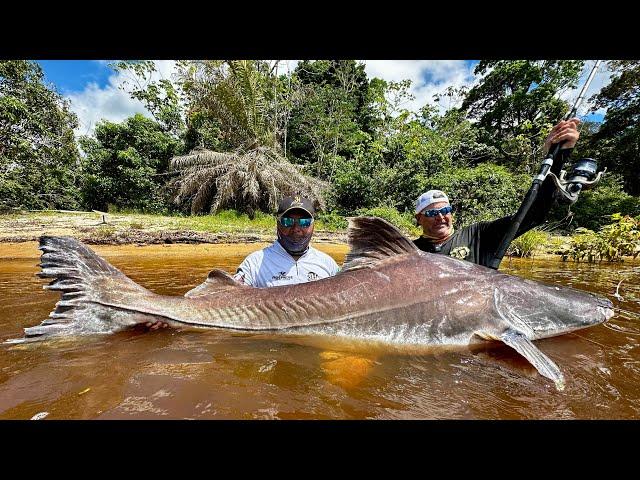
(372, 240)
(216, 281)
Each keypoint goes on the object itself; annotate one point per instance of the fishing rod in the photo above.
(582, 176)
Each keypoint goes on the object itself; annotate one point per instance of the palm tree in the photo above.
(251, 105)
(246, 181)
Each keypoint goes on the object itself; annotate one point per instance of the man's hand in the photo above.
(565, 132)
(156, 325)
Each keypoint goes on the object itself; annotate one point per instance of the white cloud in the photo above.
(110, 102)
(601, 79)
(94, 104)
(428, 77)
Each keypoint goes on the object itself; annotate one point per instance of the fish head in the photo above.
(542, 310)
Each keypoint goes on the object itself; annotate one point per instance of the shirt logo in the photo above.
(311, 276)
(460, 252)
(282, 276)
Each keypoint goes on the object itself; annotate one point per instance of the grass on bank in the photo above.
(614, 242)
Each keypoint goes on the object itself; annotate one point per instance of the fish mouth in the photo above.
(605, 307)
(607, 312)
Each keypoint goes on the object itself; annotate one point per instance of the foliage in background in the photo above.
(249, 102)
(404, 221)
(330, 221)
(594, 208)
(482, 193)
(528, 244)
(242, 134)
(613, 242)
(39, 159)
(617, 142)
(516, 105)
(251, 106)
(336, 118)
(126, 165)
(160, 97)
(248, 182)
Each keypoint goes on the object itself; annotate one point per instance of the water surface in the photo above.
(231, 375)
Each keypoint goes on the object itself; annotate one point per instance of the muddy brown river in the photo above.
(230, 375)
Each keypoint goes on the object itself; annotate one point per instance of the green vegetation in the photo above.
(126, 164)
(595, 208)
(230, 137)
(617, 141)
(226, 220)
(404, 221)
(480, 194)
(612, 242)
(529, 243)
(38, 154)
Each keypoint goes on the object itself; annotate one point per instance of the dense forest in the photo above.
(236, 134)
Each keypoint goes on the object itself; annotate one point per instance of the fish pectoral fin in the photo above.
(525, 347)
(216, 281)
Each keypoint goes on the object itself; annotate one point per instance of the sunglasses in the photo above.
(289, 222)
(442, 211)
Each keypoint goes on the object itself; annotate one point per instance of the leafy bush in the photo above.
(595, 207)
(483, 193)
(621, 238)
(126, 165)
(611, 243)
(527, 244)
(352, 188)
(331, 221)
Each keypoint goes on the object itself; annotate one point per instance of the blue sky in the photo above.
(95, 92)
(74, 75)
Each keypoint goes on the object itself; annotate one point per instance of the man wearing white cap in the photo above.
(478, 243)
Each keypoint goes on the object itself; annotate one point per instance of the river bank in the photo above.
(96, 228)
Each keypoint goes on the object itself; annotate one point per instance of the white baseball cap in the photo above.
(427, 198)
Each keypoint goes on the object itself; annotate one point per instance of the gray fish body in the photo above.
(388, 291)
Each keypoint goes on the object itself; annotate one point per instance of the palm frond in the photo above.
(247, 180)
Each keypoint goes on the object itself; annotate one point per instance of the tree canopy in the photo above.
(240, 134)
(39, 158)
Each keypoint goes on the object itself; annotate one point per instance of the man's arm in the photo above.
(565, 133)
(544, 201)
(245, 274)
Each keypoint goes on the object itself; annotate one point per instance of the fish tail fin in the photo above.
(88, 283)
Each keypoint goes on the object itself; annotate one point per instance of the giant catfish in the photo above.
(387, 291)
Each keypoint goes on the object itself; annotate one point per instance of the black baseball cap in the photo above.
(296, 203)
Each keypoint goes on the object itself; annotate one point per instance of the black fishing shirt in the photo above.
(478, 243)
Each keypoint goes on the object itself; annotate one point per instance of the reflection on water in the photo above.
(230, 375)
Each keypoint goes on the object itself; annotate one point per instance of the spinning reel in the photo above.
(582, 176)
